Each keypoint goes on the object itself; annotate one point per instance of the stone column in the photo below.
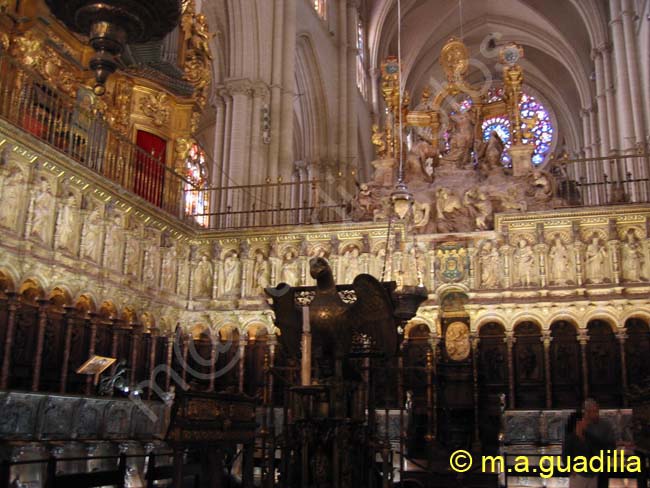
(597, 57)
(586, 134)
(583, 338)
(610, 99)
(578, 251)
(434, 342)
(541, 251)
(546, 340)
(626, 135)
(241, 91)
(505, 252)
(12, 306)
(510, 343)
(614, 249)
(634, 77)
(621, 335)
(40, 341)
(136, 339)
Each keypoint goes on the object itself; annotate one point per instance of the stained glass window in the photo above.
(495, 94)
(535, 122)
(321, 8)
(197, 203)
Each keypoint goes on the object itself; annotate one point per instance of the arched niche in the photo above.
(59, 298)
(30, 291)
(637, 352)
(528, 361)
(129, 315)
(6, 283)
(566, 368)
(604, 364)
(107, 310)
(85, 304)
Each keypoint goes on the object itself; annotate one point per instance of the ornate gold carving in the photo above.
(457, 341)
(156, 106)
(454, 59)
(120, 115)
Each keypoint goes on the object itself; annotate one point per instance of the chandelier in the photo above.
(112, 24)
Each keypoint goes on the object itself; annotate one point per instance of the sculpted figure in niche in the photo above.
(203, 278)
(490, 265)
(479, 207)
(524, 263)
(232, 273)
(11, 192)
(596, 261)
(261, 273)
(632, 256)
(150, 265)
(43, 212)
(91, 242)
(169, 270)
(290, 273)
(559, 260)
(351, 264)
(69, 224)
(114, 244)
(131, 257)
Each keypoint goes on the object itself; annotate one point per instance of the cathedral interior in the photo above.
(321, 243)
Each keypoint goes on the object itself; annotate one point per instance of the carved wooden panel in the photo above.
(79, 347)
(24, 346)
(493, 381)
(52, 351)
(566, 372)
(528, 359)
(637, 351)
(103, 339)
(604, 359)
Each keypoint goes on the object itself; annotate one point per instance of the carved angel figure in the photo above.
(232, 273)
(69, 224)
(11, 190)
(43, 212)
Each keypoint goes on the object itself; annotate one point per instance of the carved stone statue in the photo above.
(91, 241)
(113, 249)
(232, 273)
(131, 256)
(43, 211)
(461, 141)
(203, 278)
(596, 261)
(479, 207)
(524, 263)
(261, 273)
(489, 153)
(150, 275)
(11, 192)
(559, 261)
(290, 272)
(632, 257)
(351, 265)
(169, 270)
(490, 265)
(69, 224)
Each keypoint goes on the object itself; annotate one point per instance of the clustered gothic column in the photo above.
(622, 337)
(510, 343)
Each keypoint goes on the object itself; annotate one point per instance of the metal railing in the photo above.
(71, 126)
(275, 204)
(603, 181)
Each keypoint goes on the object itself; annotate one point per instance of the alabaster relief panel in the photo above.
(14, 178)
(560, 264)
(597, 255)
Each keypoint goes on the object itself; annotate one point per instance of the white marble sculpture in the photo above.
(489, 260)
(42, 212)
(524, 263)
(632, 257)
(559, 260)
(232, 273)
(596, 261)
(203, 278)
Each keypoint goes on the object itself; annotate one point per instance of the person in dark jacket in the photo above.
(575, 445)
(599, 434)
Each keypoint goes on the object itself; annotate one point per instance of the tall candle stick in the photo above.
(305, 370)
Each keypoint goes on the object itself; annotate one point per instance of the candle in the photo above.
(305, 365)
